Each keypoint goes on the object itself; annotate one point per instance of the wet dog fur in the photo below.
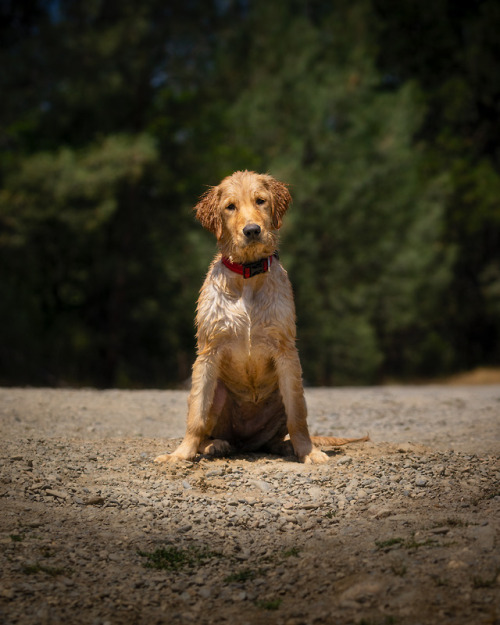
(247, 391)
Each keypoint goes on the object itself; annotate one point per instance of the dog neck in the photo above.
(249, 270)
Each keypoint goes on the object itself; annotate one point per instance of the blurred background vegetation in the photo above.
(384, 116)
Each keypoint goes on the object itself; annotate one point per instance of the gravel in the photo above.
(403, 529)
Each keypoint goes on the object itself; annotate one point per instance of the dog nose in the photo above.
(251, 231)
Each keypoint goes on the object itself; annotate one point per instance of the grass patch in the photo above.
(481, 582)
(492, 495)
(293, 552)
(53, 571)
(243, 576)
(269, 604)
(384, 544)
(17, 538)
(415, 544)
(172, 558)
(451, 522)
(410, 543)
(278, 557)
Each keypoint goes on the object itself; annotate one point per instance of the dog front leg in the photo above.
(201, 417)
(292, 392)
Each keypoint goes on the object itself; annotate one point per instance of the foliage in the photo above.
(365, 231)
(78, 230)
(381, 116)
(171, 558)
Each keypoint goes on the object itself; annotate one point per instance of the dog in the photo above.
(247, 391)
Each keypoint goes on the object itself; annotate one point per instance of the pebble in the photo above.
(56, 493)
(7, 593)
(440, 530)
(261, 485)
(344, 460)
(214, 473)
(94, 501)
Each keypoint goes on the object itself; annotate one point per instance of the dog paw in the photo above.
(218, 447)
(169, 458)
(165, 458)
(314, 457)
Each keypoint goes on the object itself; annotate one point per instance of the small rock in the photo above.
(214, 472)
(315, 493)
(440, 530)
(484, 536)
(7, 593)
(56, 493)
(240, 596)
(248, 500)
(420, 480)
(261, 485)
(360, 592)
(205, 592)
(94, 501)
(381, 513)
(115, 557)
(344, 460)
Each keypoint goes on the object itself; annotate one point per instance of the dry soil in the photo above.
(401, 530)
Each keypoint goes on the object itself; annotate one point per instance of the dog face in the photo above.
(244, 211)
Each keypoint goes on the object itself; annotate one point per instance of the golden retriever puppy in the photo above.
(247, 389)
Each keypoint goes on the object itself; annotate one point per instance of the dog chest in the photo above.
(255, 322)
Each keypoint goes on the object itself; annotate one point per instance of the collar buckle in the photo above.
(254, 269)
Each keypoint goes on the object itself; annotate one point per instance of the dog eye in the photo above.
(230, 207)
(260, 201)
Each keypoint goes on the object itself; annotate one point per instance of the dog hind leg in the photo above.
(216, 447)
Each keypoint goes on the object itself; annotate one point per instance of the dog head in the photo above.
(244, 211)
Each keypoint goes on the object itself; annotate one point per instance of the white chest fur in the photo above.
(240, 315)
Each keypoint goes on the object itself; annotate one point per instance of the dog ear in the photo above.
(208, 213)
(281, 199)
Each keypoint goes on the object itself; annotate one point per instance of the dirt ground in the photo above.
(401, 530)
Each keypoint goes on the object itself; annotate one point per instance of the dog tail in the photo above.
(332, 441)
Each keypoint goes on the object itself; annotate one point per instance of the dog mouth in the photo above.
(252, 243)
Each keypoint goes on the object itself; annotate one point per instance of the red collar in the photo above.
(248, 270)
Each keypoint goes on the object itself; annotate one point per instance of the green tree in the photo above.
(98, 280)
(363, 241)
(116, 115)
(453, 51)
